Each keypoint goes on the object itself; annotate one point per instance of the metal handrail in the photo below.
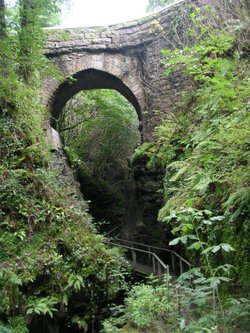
(159, 266)
(173, 254)
(110, 231)
(156, 248)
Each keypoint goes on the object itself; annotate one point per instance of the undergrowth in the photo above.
(50, 252)
(203, 146)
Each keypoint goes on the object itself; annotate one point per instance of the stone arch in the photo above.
(85, 80)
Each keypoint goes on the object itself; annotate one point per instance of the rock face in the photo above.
(144, 201)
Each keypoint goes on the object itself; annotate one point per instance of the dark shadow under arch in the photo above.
(86, 80)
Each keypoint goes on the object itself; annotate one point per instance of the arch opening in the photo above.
(90, 79)
(99, 142)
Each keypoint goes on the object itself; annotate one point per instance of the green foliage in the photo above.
(146, 307)
(146, 303)
(101, 126)
(16, 325)
(43, 305)
(50, 252)
(46, 12)
(203, 145)
(60, 35)
(203, 60)
(100, 131)
(187, 305)
(4, 330)
(80, 323)
(192, 225)
(49, 12)
(49, 249)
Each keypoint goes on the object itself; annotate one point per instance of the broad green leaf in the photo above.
(196, 246)
(225, 279)
(175, 241)
(186, 227)
(217, 218)
(65, 299)
(193, 237)
(227, 247)
(215, 248)
(184, 239)
(175, 230)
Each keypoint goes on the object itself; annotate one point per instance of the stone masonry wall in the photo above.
(129, 52)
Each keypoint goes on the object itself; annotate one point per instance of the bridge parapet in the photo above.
(115, 37)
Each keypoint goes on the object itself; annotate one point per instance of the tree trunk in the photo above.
(26, 22)
(2, 18)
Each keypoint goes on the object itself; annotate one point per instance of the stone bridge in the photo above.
(125, 57)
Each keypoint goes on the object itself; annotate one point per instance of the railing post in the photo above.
(181, 266)
(214, 300)
(154, 265)
(149, 254)
(134, 258)
(178, 300)
(166, 271)
(158, 269)
(173, 263)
